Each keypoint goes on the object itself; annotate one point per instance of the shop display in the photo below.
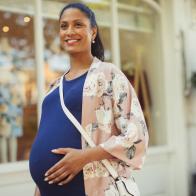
(17, 86)
(11, 114)
(5, 53)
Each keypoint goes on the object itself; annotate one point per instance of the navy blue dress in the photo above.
(56, 131)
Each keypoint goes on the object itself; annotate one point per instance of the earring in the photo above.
(93, 41)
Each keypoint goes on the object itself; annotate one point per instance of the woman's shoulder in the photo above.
(106, 66)
(111, 68)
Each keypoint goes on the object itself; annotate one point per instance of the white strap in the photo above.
(106, 163)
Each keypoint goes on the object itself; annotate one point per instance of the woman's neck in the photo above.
(80, 62)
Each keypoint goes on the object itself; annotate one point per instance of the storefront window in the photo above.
(140, 61)
(18, 91)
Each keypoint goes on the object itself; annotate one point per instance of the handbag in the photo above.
(121, 186)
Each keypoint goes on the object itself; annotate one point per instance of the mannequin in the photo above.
(11, 112)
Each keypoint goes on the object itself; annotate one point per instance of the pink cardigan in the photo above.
(112, 116)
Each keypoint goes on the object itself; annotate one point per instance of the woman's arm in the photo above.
(37, 192)
(96, 154)
(131, 144)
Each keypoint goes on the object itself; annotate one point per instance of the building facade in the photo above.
(149, 40)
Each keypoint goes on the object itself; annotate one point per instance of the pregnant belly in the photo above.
(40, 163)
(41, 159)
(53, 133)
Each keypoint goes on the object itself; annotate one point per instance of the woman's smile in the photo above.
(75, 31)
(71, 42)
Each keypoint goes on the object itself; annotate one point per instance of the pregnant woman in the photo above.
(101, 98)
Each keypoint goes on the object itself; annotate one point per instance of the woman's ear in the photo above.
(94, 33)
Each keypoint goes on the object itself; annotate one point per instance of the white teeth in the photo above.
(72, 40)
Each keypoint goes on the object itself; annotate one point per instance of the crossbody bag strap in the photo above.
(105, 162)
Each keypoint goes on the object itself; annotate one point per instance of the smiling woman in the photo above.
(74, 31)
(60, 159)
(80, 28)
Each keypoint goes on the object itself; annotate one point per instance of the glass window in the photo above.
(140, 61)
(18, 91)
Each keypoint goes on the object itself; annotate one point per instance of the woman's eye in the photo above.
(78, 25)
(63, 26)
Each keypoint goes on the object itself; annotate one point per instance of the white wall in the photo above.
(15, 179)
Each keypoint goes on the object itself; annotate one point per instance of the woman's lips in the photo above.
(71, 42)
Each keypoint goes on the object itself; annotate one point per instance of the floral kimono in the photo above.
(112, 116)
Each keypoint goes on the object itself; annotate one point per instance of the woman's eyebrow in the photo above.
(75, 20)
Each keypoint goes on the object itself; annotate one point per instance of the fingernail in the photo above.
(60, 184)
(45, 179)
(50, 182)
(54, 150)
(46, 174)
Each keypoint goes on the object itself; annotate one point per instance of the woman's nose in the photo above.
(70, 30)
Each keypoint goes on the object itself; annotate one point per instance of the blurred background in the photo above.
(152, 41)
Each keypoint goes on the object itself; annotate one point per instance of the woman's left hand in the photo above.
(69, 166)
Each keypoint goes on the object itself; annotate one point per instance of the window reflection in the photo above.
(18, 94)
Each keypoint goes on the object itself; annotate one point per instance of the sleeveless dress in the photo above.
(56, 131)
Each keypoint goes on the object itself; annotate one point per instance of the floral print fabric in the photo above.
(112, 116)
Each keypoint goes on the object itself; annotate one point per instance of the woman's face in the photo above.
(76, 33)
